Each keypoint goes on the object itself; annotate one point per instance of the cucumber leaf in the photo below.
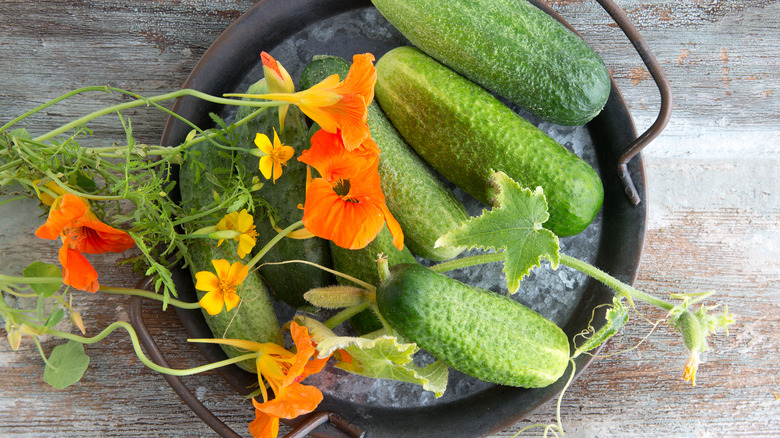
(513, 226)
(384, 357)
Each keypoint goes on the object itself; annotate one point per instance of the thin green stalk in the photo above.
(52, 102)
(150, 295)
(345, 314)
(272, 242)
(139, 351)
(140, 101)
(465, 262)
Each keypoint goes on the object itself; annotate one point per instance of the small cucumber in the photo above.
(288, 282)
(414, 193)
(254, 319)
(480, 333)
(466, 134)
(362, 264)
(513, 49)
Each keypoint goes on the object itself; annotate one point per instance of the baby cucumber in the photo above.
(417, 197)
(475, 331)
(466, 134)
(513, 49)
(254, 319)
(288, 282)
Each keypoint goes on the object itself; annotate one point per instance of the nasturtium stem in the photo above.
(139, 351)
(151, 295)
(272, 242)
(345, 314)
(613, 283)
(52, 102)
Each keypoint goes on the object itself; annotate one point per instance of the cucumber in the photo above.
(466, 134)
(362, 264)
(254, 319)
(288, 282)
(475, 331)
(513, 49)
(421, 203)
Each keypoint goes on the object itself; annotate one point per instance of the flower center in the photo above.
(342, 187)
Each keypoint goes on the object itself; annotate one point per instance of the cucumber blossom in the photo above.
(513, 49)
(485, 335)
(466, 134)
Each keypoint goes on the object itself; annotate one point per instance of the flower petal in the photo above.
(294, 400)
(206, 281)
(264, 143)
(212, 302)
(264, 426)
(76, 270)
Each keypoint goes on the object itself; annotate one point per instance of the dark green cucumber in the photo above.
(288, 282)
(513, 49)
(475, 331)
(362, 264)
(466, 134)
(417, 197)
(254, 319)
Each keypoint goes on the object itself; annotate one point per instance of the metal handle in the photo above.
(302, 426)
(658, 75)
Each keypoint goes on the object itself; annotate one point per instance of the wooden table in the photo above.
(714, 217)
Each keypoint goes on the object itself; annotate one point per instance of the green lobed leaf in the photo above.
(43, 270)
(513, 226)
(383, 357)
(66, 365)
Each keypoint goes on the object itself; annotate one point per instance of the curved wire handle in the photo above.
(661, 81)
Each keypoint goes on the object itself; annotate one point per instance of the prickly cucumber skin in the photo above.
(475, 331)
(466, 134)
(254, 319)
(288, 282)
(362, 264)
(417, 197)
(512, 48)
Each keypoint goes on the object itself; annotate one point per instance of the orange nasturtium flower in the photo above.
(339, 107)
(221, 288)
(278, 80)
(345, 204)
(283, 371)
(244, 223)
(81, 232)
(276, 155)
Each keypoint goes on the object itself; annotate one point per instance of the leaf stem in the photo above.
(465, 262)
(345, 314)
(150, 295)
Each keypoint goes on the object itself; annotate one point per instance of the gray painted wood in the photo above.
(714, 196)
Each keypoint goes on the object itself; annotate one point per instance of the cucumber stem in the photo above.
(345, 314)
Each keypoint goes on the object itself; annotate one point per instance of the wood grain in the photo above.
(714, 197)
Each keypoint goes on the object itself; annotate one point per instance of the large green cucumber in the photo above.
(475, 331)
(424, 207)
(512, 48)
(466, 134)
(254, 319)
(288, 282)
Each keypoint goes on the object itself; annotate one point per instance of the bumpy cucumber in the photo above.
(417, 197)
(475, 331)
(288, 282)
(509, 47)
(254, 319)
(362, 264)
(466, 134)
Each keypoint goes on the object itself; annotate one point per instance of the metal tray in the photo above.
(295, 30)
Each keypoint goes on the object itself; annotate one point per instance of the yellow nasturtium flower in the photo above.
(276, 155)
(244, 223)
(221, 288)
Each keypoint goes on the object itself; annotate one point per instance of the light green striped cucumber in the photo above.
(475, 331)
(425, 208)
(288, 282)
(512, 48)
(254, 319)
(466, 134)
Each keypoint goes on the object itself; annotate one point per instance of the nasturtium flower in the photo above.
(81, 232)
(282, 370)
(244, 223)
(276, 155)
(278, 80)
(339, 107)
(44, 195)
(345, 204)
(221, 288)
